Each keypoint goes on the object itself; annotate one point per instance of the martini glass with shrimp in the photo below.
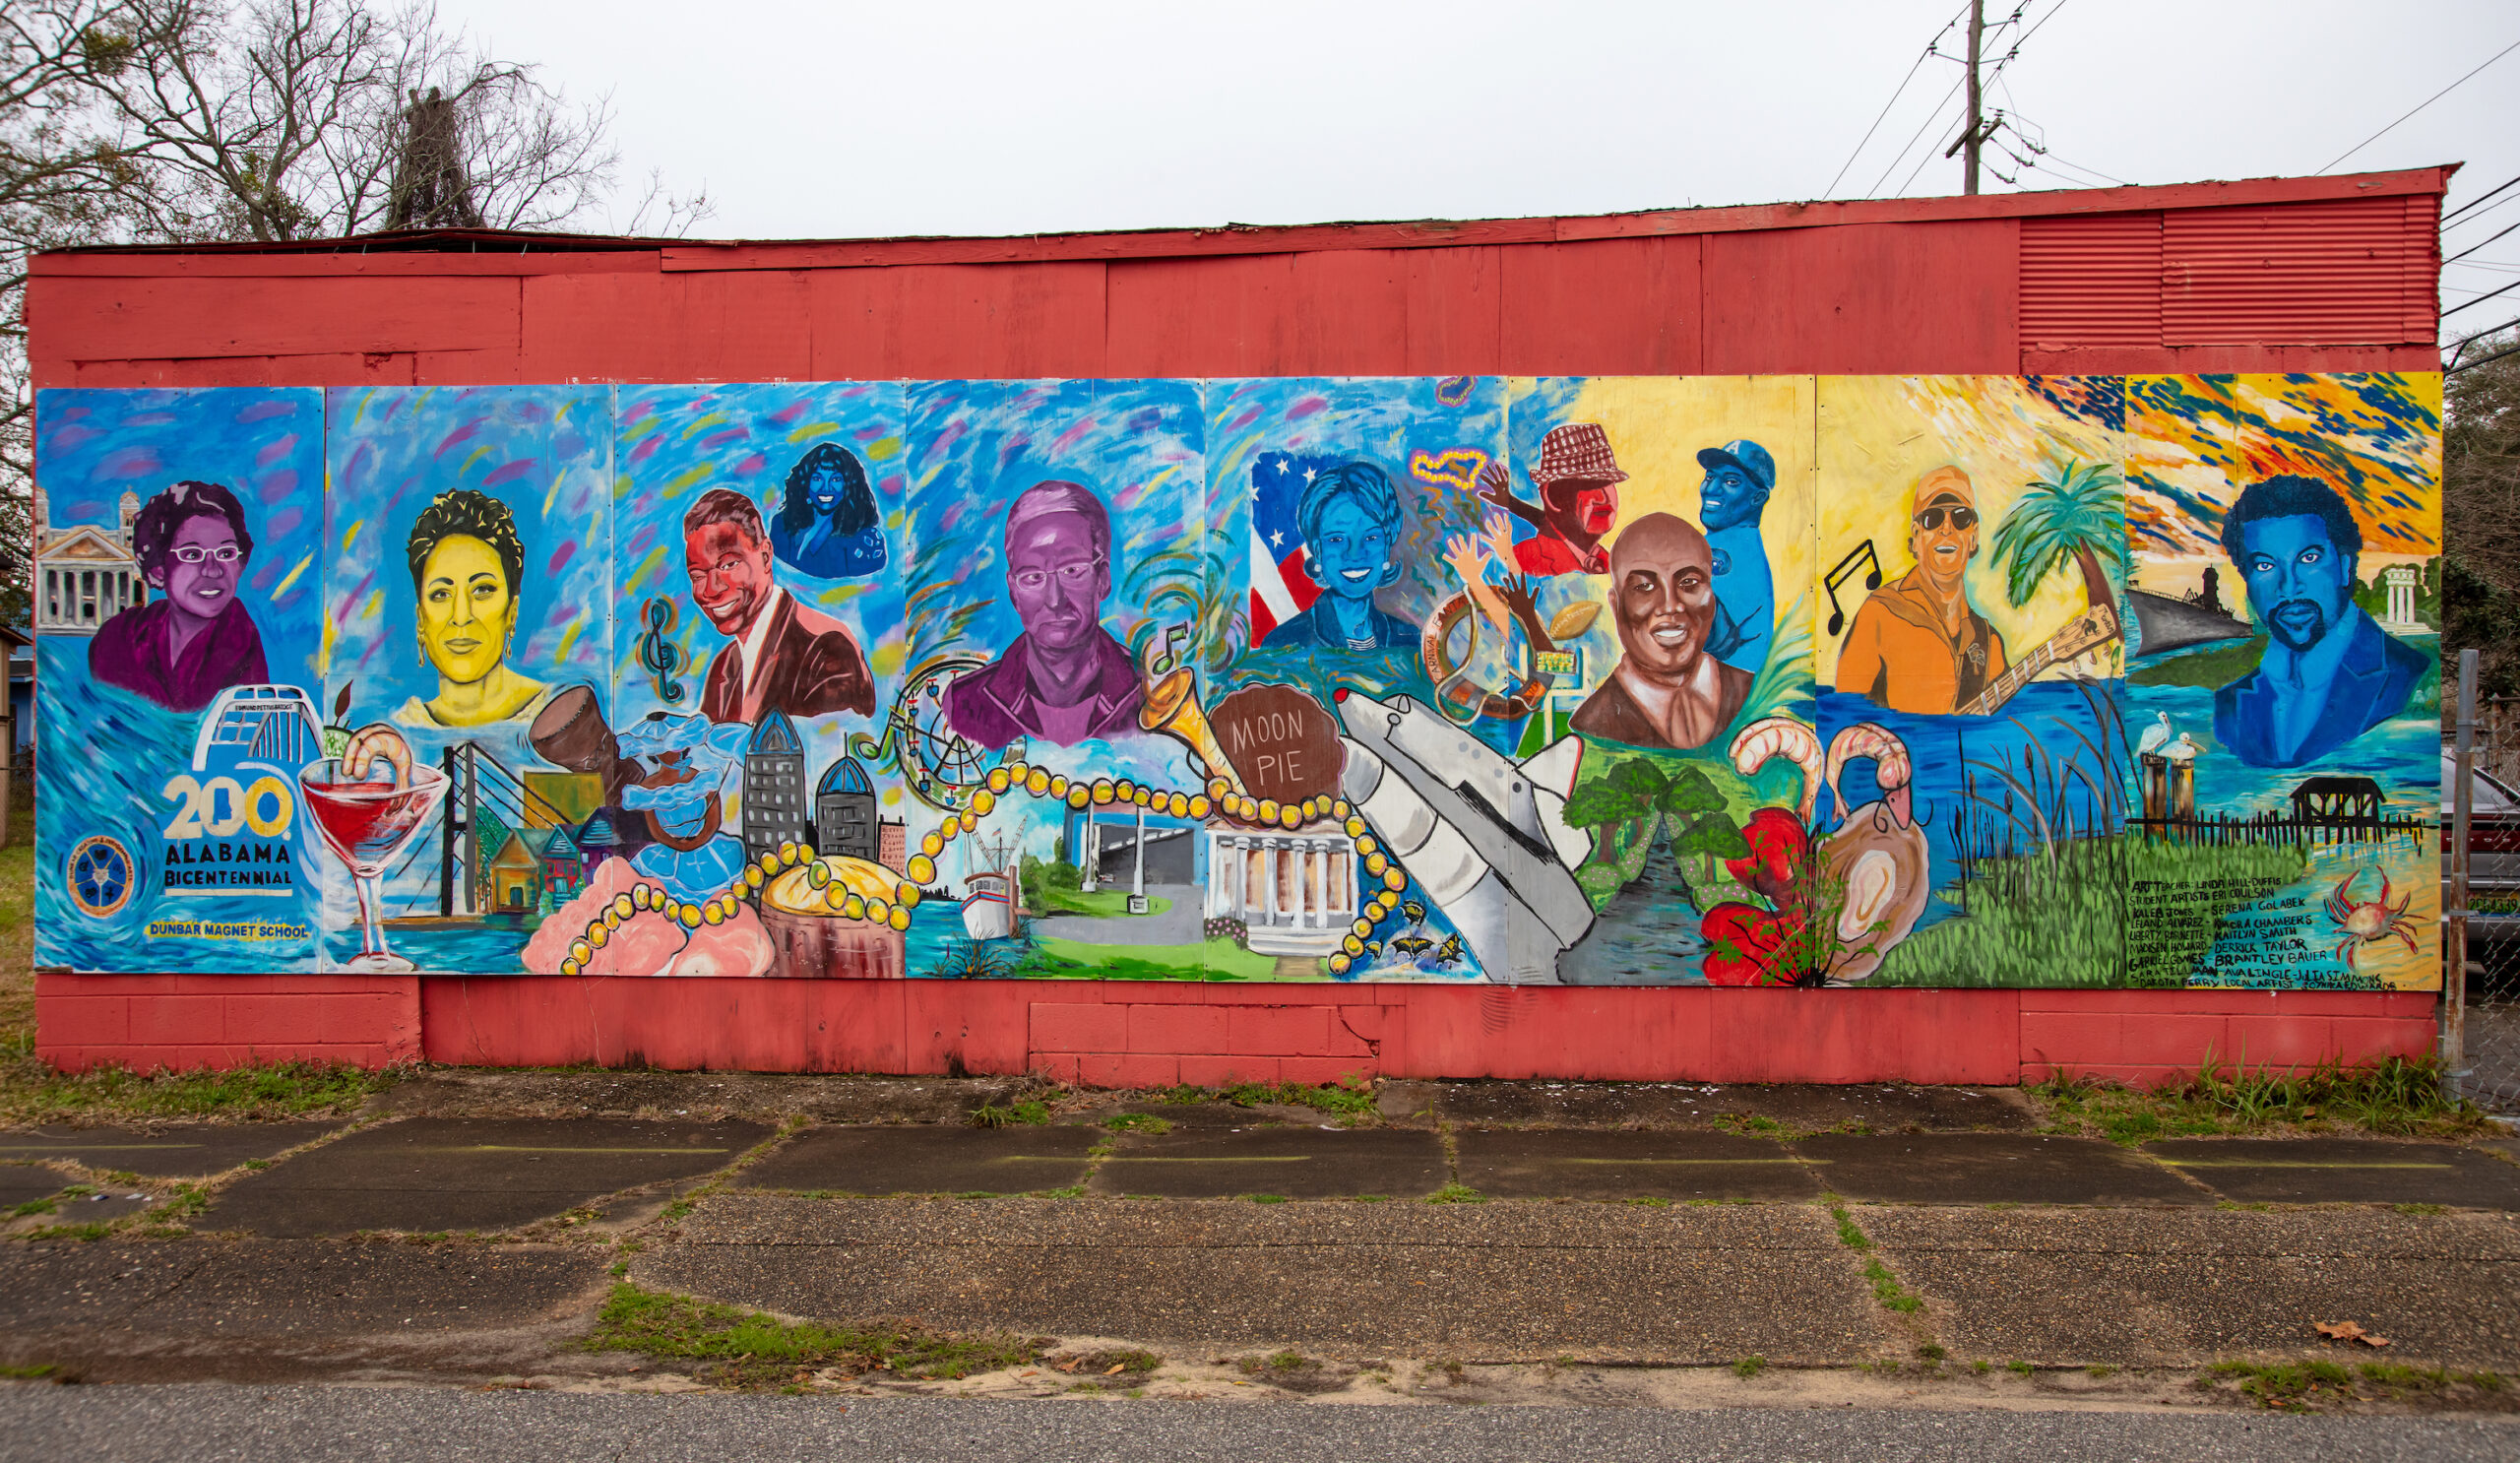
(369, 803)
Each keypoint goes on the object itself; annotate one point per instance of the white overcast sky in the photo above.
(850, 119)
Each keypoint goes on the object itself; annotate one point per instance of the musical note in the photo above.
(1845, 571)
(664, 660)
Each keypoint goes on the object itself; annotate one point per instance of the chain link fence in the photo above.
(2492, 1045)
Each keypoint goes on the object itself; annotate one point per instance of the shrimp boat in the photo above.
(992, 898)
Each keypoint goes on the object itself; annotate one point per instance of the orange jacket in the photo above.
(1900, 655)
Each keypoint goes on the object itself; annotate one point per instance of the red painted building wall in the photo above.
(2271, 275)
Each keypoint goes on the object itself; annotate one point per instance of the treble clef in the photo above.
(664, 660)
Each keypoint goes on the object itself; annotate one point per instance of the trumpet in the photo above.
(1170, 704)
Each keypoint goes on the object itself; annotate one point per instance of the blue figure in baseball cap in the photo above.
(1739, 476)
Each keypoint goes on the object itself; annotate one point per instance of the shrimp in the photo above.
(1890, 765)
(373, 743)
(1781, 735)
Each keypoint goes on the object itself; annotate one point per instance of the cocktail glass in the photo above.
(366, 822)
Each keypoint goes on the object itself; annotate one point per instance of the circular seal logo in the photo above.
(101, 877)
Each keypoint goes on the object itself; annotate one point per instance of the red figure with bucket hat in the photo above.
(1578, 481)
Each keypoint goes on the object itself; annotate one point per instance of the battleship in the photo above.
(1486, 836)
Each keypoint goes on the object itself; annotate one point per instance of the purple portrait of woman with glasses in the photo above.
(195, 640)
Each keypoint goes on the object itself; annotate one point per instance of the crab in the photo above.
(2367, 923)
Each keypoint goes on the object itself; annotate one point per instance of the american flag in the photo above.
(1279, 589)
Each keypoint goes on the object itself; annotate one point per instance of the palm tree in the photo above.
(2078, 512)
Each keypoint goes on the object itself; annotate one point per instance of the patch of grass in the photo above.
(1353, 1098)
(1014, 1114)
(747, 1348)
(1848, 1233)
(1750, 1367)
(1267, 1199)
(1752, 1126)
(1982, 1365)
(2019, 1368)
(2282, 1385)
(2402, 1377)
(32, 1206)
(1456, 1193)
(2399, 1096)
(26, 1373)
(1887, 1290)
(31, 1092)
(1932, 1351)
(1139, 1122)
(83, 1232)
(2101, 1372)
(1650, 1202)
(2421, 1208)
(1072, 1191)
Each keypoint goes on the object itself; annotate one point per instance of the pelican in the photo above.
(2183, 750)
(2154, 738)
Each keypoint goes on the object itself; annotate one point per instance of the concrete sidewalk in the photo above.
(1489, 1242)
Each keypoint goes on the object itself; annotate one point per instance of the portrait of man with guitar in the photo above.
(1919, 646)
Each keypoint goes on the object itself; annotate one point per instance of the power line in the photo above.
(1931, 119)
(2479, 215)
(2482, 360)
(2472, 202)
(1894, 99)
(2480, 335)
(2479, 300)
(2426, 101)
(2464, 253)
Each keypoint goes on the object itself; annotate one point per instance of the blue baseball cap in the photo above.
(1749, 457)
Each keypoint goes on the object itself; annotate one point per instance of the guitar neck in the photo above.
(2093, 630)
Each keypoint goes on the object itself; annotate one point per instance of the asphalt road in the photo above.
(108, 1424)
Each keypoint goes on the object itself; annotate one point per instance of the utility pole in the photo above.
(1974, 137)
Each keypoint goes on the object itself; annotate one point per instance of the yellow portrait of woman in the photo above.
(467, 561)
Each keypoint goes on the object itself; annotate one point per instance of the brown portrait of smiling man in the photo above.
(1667, 692)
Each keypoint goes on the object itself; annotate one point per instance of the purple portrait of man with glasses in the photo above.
(1065, 678)
(195, 640)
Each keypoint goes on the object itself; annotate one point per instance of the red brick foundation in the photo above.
(218, 1021)
(1116, 1033)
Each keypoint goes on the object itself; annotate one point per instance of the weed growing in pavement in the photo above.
(32, 1206)
(1648, 1201)
(1266, 1198)
(1982, 1365)
(2283, 1385)
(2401, 1096)
(1887, 1290)
(1072, 1191)
(1353, 1098)
(1752, 1125)
(2101, 1372)
(26, 1373)
(1017, 1114)
(746, 1349)
(2019, 1368)
(1848, 1235)
(1932, 1351)
(1139, 1122)
(1456, 1193)
(2421, 1208)
(1750, 1367)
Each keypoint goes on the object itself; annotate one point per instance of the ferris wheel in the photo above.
(941, 767)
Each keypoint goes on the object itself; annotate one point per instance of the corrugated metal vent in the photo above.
(2349, 271)
(2090, 279)
(2352, 272)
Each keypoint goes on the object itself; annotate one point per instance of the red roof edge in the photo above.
(485, 246)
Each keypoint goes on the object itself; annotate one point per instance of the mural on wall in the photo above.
(1707, 681)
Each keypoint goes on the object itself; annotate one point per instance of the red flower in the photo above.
(1744, 944)
(1778, 845)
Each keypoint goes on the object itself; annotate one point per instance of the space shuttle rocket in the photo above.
(1484, 835)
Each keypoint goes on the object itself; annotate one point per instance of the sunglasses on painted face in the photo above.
(194, 553)
(1961, 518)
